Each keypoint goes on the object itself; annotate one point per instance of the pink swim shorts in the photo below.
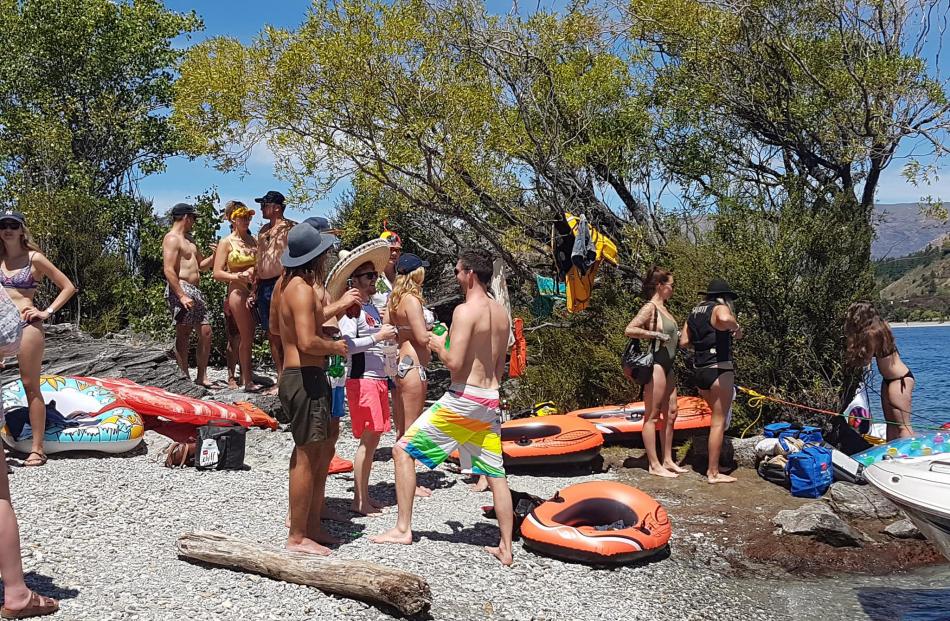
(369, 405)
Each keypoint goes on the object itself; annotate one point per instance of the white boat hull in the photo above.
(921, 487)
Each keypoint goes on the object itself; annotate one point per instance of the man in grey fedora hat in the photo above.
(304, 390)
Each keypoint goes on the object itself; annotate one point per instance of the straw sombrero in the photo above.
(375, 251)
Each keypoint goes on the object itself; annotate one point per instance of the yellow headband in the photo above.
(241, 212)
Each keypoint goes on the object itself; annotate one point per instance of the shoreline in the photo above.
(918, 324)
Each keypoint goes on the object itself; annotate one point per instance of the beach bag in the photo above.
(220, 446)
(810, 472)
(11, 325)
(773, 430)
(773, 470)
(637, 364)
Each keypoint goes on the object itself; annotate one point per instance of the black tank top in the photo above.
(711, 345)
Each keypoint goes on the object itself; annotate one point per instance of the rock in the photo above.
(270, 404)
(903, 529)
(735, 451)
(816, 519)
(861, 502)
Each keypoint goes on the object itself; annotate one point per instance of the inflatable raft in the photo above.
(920, 445)
(107, 425)
(556, 439)
(599, 522)
(150, 401)
(625, 422)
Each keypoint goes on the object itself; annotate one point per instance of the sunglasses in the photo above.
(464, 269)
(372, 276)
(12, 225)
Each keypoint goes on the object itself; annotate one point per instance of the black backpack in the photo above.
(220, 446)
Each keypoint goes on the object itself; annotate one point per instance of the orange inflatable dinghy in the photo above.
(153, 401)
(556, 439)
(625, 422)
(600, 523)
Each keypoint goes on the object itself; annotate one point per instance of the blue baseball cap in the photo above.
(409, 263)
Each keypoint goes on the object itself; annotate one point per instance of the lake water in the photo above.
(926, 351)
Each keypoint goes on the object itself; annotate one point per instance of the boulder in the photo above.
(817, 520)
(735, 451)
(861, 502)
(270, 404)
(903, 529)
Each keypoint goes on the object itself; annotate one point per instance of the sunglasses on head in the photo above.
(370, 275)
(9, 224)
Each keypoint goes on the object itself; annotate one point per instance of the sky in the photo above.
(184, 179)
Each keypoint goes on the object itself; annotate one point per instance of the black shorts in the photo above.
(706, 377)
(306, 404)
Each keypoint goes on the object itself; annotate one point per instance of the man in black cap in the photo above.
(304, 389)
(271, 243)
(183, 263)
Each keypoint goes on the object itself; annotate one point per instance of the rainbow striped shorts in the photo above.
(466, 418)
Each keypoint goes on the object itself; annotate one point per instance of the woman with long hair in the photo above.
(868, 336)
(234, 261)
(407, 312)
(709, 330)
(655, 322)
(22, 268)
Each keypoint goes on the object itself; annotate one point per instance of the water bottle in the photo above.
(337, 366)
(439, 329)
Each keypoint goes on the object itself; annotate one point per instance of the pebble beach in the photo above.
(99, 533)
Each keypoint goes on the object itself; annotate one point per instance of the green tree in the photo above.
(85, 87)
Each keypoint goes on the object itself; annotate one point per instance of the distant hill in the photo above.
(901, 230)
(921, 292)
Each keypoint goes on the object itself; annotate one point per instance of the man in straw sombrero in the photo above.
(367, 384)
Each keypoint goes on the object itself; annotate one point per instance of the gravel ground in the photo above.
(100, 532)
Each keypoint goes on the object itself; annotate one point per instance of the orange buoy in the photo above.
(556, 439)
(625, 422)
(599, 522)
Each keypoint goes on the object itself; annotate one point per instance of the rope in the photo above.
(757, 400)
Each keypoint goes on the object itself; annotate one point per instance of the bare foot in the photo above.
(662, 472)
(481, 485)
(255, 388)
(365, 509)
(674, 467)
(272, 390)
(232, 383)
(423, 492)
(309, 546)
(207, 384)
(503, 556)
(720, 478)
(333, 515)
(324, 537)
(287, 522)
(393, 535)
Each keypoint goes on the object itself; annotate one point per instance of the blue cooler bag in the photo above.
(810, 472)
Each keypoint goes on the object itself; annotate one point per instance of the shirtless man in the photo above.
(467, 417)
(271, 242)
(303, 387)
(182, 264)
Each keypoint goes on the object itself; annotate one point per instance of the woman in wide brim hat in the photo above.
(375, 251)
(709, 331)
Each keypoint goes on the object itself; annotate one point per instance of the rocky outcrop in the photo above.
(903, 529)
(818, 521)
(735, 451)
(861, 502)
(71, 352)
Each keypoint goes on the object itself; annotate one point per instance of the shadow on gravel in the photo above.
(904, 604)
(16, 457)
(478, 534)
(44, 585)
(433, 479)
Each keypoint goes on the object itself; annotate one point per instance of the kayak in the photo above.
(150, 401)
(97, 419)
(598, 522)
(625, 422)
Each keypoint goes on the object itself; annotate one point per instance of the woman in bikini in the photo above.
(234, 261)
(406, 311)
(868, 336)
(655, 322)
(22, 268)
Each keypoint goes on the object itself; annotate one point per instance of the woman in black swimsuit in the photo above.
(868, 336)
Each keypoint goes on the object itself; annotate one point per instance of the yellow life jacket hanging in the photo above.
(593, 249)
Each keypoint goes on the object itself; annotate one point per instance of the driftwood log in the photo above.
(404, 591)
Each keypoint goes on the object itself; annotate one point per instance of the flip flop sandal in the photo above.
(40, 461)
(39, 606)
(178, 455)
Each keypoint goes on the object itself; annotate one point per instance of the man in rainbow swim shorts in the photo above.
(467, 417)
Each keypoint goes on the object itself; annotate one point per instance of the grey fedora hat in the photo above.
(304, 243)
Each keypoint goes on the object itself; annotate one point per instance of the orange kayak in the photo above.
(556, 439)
(598, 522)
(625, 422)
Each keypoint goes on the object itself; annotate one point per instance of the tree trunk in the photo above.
(362, 580)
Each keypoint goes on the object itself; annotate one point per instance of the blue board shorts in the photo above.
(265, 291)
(339, 402)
